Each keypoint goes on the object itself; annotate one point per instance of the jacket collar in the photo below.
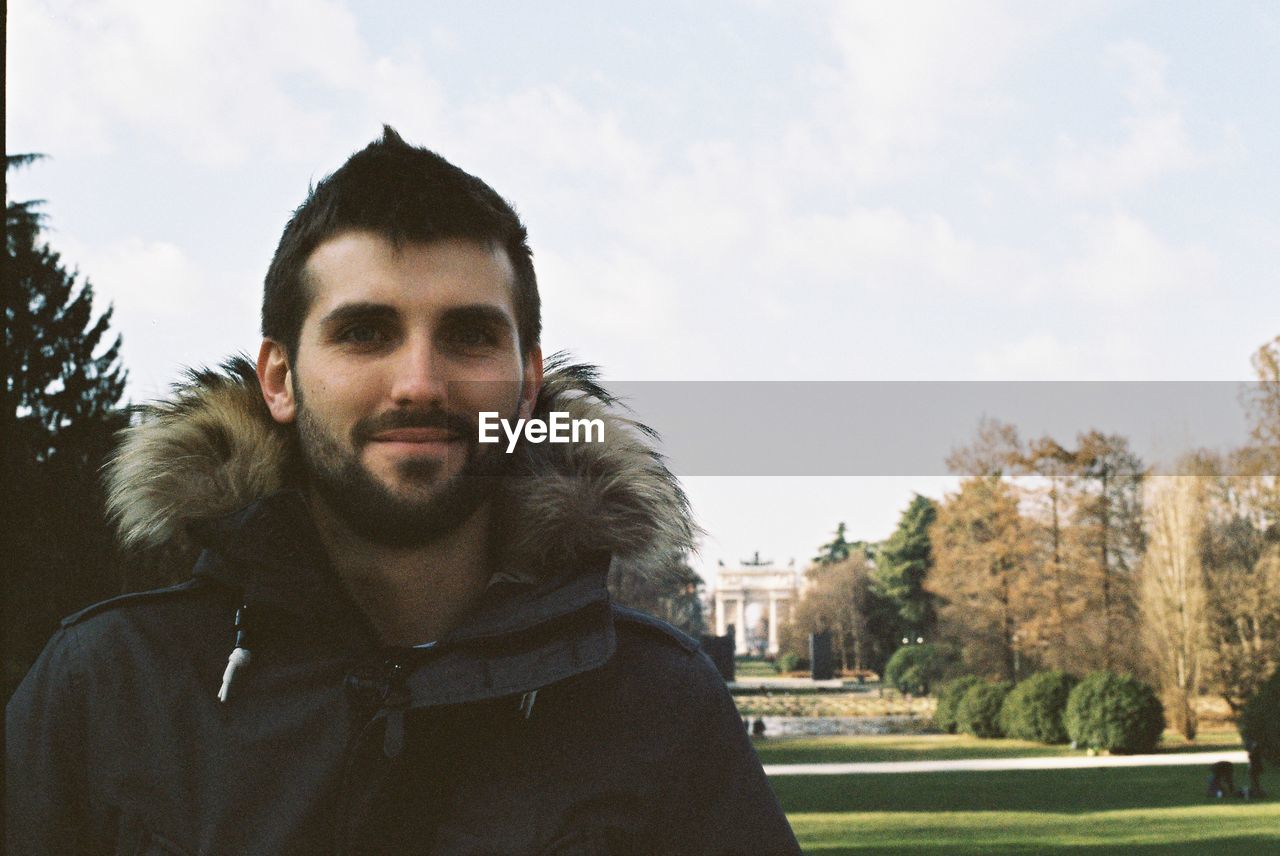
(212, 449)
(269, 552)
(521, 636)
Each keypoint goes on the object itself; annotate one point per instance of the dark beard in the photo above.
(375, 512)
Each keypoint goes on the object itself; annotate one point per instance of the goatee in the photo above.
(377, 512)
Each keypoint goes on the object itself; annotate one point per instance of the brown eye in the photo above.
(361, 334)
(472, 337)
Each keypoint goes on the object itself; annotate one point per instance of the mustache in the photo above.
(454, 423)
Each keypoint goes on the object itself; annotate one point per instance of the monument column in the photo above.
(773, 624)
(719, 614)
(740, 643)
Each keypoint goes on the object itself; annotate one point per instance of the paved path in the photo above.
(1052, 763)
(762, 682)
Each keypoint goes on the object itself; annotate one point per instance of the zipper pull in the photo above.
(526, 703)
(240, 657)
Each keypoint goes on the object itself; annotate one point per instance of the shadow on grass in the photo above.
(1224, 845)
(1250, 844)
(1061, 791)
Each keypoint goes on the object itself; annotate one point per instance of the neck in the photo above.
(411, 595)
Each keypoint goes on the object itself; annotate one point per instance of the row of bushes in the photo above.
(1104, 711)
(1117, 713)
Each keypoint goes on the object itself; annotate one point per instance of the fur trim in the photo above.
(572, 499)
(213, 448)
(209, 450)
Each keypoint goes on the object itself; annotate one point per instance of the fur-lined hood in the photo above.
(213, 448)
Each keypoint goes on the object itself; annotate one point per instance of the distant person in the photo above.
(1222, 780)
(397, 638)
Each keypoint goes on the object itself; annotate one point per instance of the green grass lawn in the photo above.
(1145, 810)
(908, 747)
(852, 703)
(935, 747)
(754, 669)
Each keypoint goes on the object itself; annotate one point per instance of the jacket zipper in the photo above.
(392, 702)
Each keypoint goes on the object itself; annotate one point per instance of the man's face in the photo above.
(399, 352)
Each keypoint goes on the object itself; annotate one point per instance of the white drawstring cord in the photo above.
(526, 703)
(239, 659)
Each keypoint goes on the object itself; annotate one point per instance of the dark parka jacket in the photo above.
(549, 721)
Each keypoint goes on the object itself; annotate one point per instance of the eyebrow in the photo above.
(362, 311)
(481, 313)
(369, 311)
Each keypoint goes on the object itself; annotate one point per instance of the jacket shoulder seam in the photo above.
(128, 599)
(657, 627)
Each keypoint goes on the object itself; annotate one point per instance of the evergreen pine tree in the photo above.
(61, 394)
(60, 379)
(904, 563)
(835, 550)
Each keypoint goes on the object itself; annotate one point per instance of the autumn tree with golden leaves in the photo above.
(985, 575)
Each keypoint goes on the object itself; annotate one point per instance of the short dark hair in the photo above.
(405, 194)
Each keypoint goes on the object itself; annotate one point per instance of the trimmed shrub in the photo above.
(1118, 713)
(1260, 719)
(948, 698)
(978, 712)
(914, 668)
(1033, 711)
(787, 662)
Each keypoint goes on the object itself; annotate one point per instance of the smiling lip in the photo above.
(416, 435)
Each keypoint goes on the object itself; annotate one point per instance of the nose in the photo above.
(419, 381)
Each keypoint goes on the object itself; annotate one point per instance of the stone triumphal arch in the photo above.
(742, 593)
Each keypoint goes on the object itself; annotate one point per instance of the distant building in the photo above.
(756, 599)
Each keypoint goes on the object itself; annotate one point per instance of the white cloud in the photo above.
(44, 84)
(555, 131)
(1102, 353)
(1037, 356)
(621, 296)
(171, 311)
(1124, 262)
(401, 92)
(704, 238)
(153, 278)
(1156, 141)
(884, 249)
(907, 75)
(216, 80)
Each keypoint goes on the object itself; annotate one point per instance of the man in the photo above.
(395, 639)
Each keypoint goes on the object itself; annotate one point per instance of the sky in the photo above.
(724, 191)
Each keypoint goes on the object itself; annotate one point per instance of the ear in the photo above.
(276, 379)
(532, 382)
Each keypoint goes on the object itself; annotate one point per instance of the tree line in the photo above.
(1077, 556)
